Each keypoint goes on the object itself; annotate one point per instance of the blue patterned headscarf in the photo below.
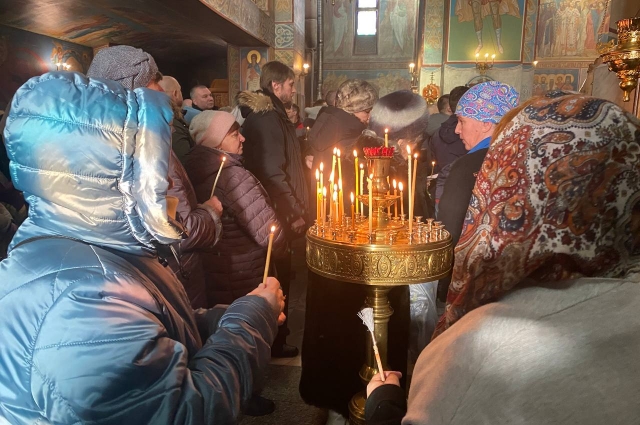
(488, 102)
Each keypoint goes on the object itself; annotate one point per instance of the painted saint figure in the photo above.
(477, 10)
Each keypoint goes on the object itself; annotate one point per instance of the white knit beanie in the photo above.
(209, 128)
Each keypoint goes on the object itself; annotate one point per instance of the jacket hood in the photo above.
(447, 130)
(256, 101)
(92, 160)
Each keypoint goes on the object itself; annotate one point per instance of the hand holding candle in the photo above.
(215, 182)
(266, 266)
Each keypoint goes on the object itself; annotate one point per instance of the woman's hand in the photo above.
(392, 378)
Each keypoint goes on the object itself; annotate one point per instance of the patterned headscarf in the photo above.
(558, 197)
(488, 102)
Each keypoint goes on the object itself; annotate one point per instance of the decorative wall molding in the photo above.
(246, 15)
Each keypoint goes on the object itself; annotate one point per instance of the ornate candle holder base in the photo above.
(624, 59)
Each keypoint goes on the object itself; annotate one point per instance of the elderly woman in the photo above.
(236, 264)
(541, 324)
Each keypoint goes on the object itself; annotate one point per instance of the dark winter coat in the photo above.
(203, 230)
(457, 192)
(333, 128)
(181, 141)
(234, 267)
(272, 153)
(446, 145)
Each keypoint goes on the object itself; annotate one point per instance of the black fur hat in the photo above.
(403, 112)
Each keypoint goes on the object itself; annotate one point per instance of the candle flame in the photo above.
(317, 174)
(331, 176)
(486, 55)
(400, 186)
(334, 150)
(371, 176)
(409, 150)
(335, 196)
(335, 188)
(477, 55)
(433, 163)
(352, 197)
(321, 166)
(493, 56)
(415, 155)
(355, 153)
(338, 152)
(340, 184)
(324, 191)
(224, 158)
(361, 166)
(395, 184)
(273, 229)
(386, 131)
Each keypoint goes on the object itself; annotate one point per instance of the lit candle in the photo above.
(321, 174)
(370, 184)
(386, 137)
(477, 56)
(409, 182)
(433, 165)
(412, 66)
(395, 193)
(340, 196)
(401, 201)
(355, 159)
(412, 193)
(335, 204)
(215, 182)
(493, 57)
(353, 210)
(306, 136)
(486, 57)
(266, 266)
(361, 187)
(340, 200)
(324, 204)
(334, 196)
(333, 162)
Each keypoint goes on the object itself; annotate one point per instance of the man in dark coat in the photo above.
(181, 142)
(272, 154)
(479, 111)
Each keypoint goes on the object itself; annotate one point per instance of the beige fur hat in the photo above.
(356, 96)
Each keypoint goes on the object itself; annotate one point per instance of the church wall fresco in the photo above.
(251, 62)
(386, 81)
(24, 55)
(493, 27)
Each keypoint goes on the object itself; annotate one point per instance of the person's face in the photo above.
(285, 91)
(292, 114)
(203, 98)
(363, 116)
(559, 80)
(471, 131)
(254, 59)
(232, 142)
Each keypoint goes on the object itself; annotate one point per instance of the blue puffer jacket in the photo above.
(92, 328)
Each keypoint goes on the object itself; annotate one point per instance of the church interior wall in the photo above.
(24, 54)
(524, 47)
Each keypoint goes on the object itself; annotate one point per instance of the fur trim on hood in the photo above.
(256, 101)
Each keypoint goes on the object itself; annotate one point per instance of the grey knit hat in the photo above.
(403, 112)
(356, 96)
(127, 65)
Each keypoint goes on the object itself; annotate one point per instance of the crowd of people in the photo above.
(134, 290)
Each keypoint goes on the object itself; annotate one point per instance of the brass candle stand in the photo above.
(389, 256)
(624, 58)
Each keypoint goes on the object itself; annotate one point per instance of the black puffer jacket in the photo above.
(234, 266)
(272, 154)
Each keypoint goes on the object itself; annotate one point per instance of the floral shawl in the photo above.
(558, 197)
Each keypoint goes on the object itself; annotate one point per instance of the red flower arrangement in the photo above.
(378, 151)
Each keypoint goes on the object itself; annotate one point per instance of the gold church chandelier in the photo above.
(624, 58)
